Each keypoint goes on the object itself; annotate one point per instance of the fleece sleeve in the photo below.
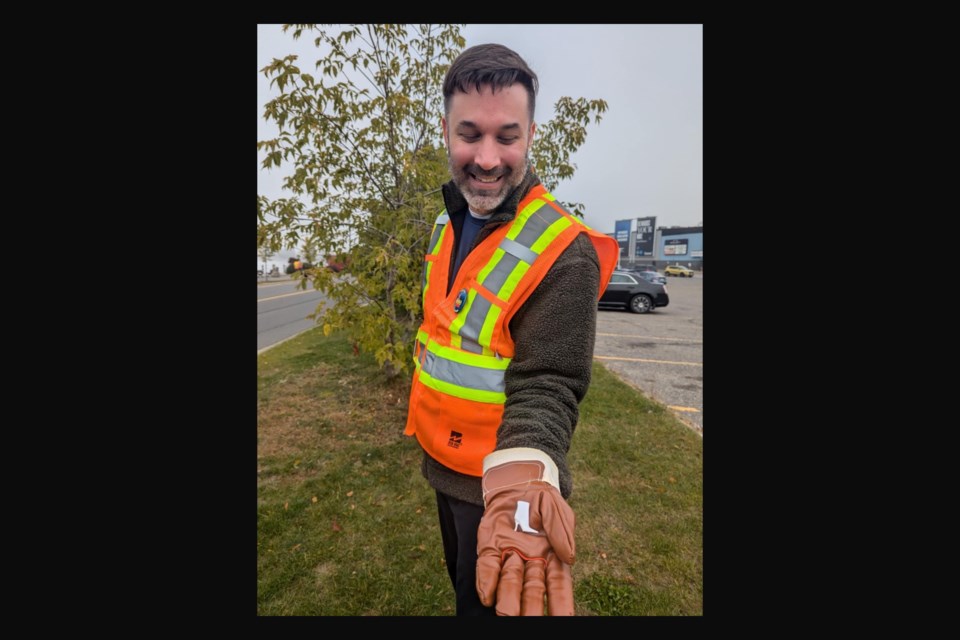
(554, 334)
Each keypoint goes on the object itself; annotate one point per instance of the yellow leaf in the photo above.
(327, 329)
(296, 463)
(313, 499)
(672, 479)
(603, 555)
(349, 493)
(286, 505)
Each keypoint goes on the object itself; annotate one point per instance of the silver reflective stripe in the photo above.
(516, 249)
(469, 345)
(495, 279)
(475, 317)
(536, 224)
(463, 375)
(442, 219)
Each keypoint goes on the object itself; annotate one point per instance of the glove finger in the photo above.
(534, 587)
(559, 587)
(511, 583)
(558, 523)
(488, 575)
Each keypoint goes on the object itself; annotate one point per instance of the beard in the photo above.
(484, 201)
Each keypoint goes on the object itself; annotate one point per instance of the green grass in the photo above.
(346, 525)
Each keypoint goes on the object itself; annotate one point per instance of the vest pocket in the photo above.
(466, 431)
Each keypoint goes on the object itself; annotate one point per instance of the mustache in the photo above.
(480, 173)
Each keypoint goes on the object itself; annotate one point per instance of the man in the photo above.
(503, 357)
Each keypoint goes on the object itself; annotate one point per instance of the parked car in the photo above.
(630, 291)
(647, 273)
(652, 276)
(678, 270)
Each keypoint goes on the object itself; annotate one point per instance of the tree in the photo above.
(367, 169)
(264, 253)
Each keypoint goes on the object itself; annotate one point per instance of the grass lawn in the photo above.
(346, 525)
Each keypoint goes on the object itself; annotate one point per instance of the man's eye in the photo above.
(508, 140)
(469, 137)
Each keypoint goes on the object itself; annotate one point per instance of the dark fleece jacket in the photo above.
(554, 332)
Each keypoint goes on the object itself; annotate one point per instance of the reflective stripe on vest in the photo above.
(463, 375)
(439, 227)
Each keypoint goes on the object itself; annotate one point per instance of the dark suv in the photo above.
(630, 291)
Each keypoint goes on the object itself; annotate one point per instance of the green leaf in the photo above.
(364, 168)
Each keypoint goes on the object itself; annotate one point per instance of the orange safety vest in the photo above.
(464, 345)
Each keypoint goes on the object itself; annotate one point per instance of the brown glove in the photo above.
(525, 541)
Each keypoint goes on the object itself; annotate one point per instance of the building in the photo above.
(668, 245)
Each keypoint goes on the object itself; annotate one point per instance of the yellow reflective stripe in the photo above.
(424, 339)
(426, 283)
(490, 397)
(551, 198)
(455, 340)
(436, 249)
(550, 234)
(497, 254)
(512, 281)
(521, 218)
(465, 357)
(486, 334)
(462, 314)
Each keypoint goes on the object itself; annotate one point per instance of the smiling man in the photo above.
(503, 357)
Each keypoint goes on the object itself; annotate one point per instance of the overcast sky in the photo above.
(645, 158)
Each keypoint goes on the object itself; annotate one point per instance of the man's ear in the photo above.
(533, 130)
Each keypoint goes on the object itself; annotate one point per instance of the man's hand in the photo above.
(525, 541)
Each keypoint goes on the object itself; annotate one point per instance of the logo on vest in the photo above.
(456, 439)
(459, 302)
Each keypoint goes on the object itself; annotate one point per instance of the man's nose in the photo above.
(488, 155)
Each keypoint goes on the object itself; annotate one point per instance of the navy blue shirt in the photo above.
(471, 227)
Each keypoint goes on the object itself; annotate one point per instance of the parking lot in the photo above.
(660, 353)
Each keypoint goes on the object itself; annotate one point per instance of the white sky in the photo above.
(645, 158)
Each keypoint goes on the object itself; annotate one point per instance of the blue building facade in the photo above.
(681, 245)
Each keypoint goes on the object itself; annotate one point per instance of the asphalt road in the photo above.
(660, 353)
(282, 311)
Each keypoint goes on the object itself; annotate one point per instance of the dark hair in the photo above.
(491, 65)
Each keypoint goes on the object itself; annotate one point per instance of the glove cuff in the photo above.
(516, 467)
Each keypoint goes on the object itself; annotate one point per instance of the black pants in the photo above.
(459, 521)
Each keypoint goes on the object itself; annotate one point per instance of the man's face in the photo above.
(488, 137)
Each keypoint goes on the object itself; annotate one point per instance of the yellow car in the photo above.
(677, 270)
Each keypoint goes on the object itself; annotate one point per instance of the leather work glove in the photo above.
(525, 540)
